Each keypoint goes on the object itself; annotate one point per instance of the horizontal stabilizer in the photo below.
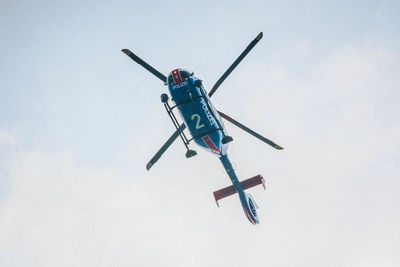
(246, 184)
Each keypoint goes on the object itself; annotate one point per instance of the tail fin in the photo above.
(250, 209)
(246, 184)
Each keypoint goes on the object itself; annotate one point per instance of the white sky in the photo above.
(79, 120)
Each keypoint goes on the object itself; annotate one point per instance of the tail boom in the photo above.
(246, 199)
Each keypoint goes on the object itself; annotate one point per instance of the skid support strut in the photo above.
(189, 153)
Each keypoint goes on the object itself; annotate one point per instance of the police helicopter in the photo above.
(205, 125)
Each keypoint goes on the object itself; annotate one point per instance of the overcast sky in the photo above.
(79, 121)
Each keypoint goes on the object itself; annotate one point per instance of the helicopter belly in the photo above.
(203, 125)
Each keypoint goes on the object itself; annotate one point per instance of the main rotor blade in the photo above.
(138, 60)
(253, 133)
(165, 147)
(233, 66)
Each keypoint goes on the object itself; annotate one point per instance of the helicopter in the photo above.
(205, 125)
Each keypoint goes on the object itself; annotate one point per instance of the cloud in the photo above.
(332, 194)
(340, 130)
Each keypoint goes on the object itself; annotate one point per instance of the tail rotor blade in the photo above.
(233, 66)
(253, 133)
(141, 62)
(164, 148)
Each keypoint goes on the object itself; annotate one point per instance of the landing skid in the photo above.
(226, 139)
(189, 152)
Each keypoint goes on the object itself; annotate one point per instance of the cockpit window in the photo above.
(185, 74)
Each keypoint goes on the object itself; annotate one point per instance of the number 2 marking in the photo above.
(198, 125)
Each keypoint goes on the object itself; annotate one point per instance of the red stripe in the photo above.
(177, 76)
(249, 216)
(207, 140)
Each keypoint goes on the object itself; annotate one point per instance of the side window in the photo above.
(170, 80)
(184, 75)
